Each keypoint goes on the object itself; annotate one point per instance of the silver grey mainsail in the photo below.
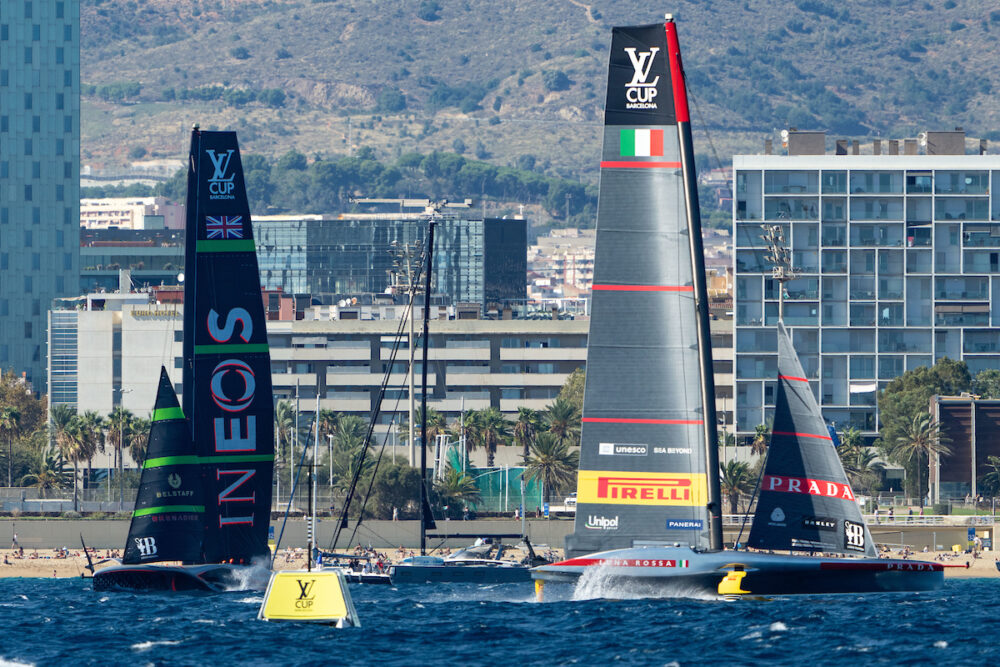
(806, 502)
(644, 458)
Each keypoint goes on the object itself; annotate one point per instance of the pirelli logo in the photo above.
(641, 488)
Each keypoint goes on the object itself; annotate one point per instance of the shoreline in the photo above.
(46, 566)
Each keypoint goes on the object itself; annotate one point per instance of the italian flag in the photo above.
(641, 143)
(680, 563)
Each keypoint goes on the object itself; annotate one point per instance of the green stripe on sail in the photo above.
(161, 461)
(167, 413)
(627, 145)
(231, 348)
(190, 509)
(240, 245)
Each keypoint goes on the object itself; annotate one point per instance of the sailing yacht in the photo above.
(648, 497)
(205, 494)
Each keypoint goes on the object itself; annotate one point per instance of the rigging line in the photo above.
(371, 423)
(701, 119)
(746, 515)
(288, 507)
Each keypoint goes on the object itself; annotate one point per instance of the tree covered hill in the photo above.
(499, 81)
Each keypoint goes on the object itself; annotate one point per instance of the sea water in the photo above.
(63, 621)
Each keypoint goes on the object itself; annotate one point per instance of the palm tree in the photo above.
(138, 439)
(990, 482)
(552, 463)
(328, 421)
(494, 431)
(10, 421)
(48, 471)
(70, 449)
(760, 439)
(863, 471)
(94, 436)
(467, 431)
(736, 479)
(564, 421)
(436, 425)
(529, 422)
(456, 488)
(921, 439)
(60, 422)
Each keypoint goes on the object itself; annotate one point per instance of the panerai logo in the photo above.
(640, 92)
(219, 185)
(601, 523)
(146, 546)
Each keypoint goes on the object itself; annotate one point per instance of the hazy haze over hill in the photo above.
(506, 79)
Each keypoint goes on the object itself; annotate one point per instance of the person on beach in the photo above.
(14, 545)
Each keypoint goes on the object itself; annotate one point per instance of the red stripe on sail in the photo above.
(677, 74)
(656, 142)
(637, 164)
(792, 377)
(802, 435)
(616, 420)
(643, 288)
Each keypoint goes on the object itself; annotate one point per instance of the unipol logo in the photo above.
(221, 185)
(146, 546)
(640, 92)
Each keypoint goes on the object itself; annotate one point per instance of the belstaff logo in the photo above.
(174, 480)
(146, 546)
(221, 186)
(640, 92)
(306, 596)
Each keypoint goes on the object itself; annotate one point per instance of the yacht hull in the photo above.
(213, 578)
(455, 573)
(648, 571)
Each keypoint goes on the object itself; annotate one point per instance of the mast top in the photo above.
(669, 18)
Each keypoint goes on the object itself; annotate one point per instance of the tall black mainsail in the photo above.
(227, 368)
(806, 502)
(170, 505)
(648, 437)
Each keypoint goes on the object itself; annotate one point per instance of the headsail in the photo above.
(643, 457)
(170, 505)
(806, 502)
(227, 367)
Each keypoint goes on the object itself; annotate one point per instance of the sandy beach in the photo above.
(47, 565)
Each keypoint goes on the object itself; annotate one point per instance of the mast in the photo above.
(426, 521)
(698, 278)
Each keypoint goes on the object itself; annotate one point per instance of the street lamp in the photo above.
(121, 449)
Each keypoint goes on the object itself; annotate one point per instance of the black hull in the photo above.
(654, 571)
(172, 578)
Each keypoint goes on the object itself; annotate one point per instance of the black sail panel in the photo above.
(642, 458)
(806, 502)
(170, 505)
(227, 379)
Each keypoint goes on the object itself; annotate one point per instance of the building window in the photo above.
(4, 32)
(28, 241)
(60, 55)
(67, 78)
(178, 362)
(28, 147)
(60, 192)
(67, 170)
(4, 261)
(60, 284)
(27, 193)
(60, 101)
(27, 290)
(36, 169)
(36, 215)
(60, 238)
(4, 123)
(67, 33)
(27, 9)
(67, 123)
(36, 261)
(60, 146)
(4, 169)
(4, 215)
(179, 335)
(36, 123)
(60, 10)
(27, 100)
(27, 55)
(67, 261)
(4, 77)
(36, 32)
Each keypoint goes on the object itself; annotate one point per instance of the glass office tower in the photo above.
(39, 174)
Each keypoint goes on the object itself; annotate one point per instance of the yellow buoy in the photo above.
(539, 589)
(732, 583)
(320, 596)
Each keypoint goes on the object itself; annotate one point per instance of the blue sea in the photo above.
(60, 621)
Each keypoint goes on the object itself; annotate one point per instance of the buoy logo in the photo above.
(306, 595)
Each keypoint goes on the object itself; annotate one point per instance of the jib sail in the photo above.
(806, 502)
(170, 506)
(644, 458)
(227, 368)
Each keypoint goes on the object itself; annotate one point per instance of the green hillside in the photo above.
(501, 81)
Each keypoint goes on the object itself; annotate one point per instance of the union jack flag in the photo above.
(224, 227)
